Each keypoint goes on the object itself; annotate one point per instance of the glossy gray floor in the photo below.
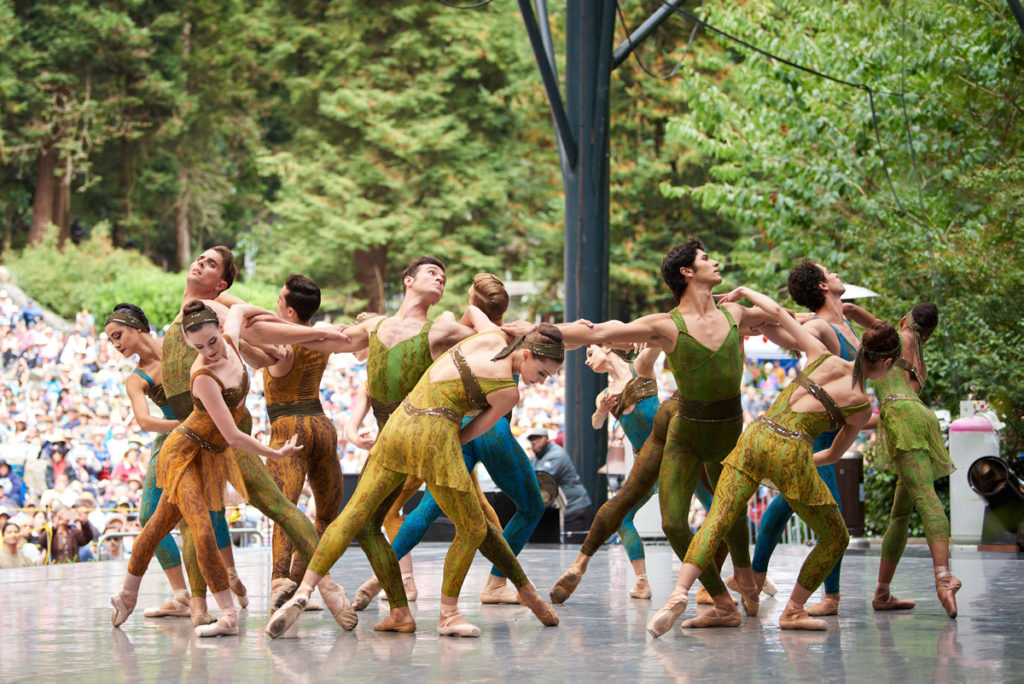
(54, 626)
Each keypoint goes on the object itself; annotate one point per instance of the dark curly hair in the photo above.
(803, 284)
(680, 256)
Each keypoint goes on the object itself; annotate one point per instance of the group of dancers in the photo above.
(442, 391)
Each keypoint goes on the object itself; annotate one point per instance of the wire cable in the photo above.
(636, 56)
(476, 5)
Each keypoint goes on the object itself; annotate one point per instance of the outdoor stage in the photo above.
(54, 626)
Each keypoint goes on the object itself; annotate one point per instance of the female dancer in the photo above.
(777, 446)
(911, 446)
(423, 438)
(128, 330)
(506, 463)
(194, 468)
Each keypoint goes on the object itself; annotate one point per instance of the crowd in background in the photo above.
(73, 459)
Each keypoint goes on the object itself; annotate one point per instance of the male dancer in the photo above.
(702, 344)
(210, 275)
(813, 286)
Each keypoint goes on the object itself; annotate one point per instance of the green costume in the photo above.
(708, 421)
(910, 445)
(778, 448)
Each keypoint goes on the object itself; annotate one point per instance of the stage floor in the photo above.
(54, 626)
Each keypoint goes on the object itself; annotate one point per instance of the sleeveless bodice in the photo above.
(176, 368)
(156, 393)
(810, 423)
(703, 374)
(298, 391)
(392, 372)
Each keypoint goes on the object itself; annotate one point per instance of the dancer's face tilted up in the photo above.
(428, 282)
(704, 269)
(208, 271)
(833, 281)
(207, 341)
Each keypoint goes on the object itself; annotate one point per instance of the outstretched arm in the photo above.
(844, 439)
(446, 332)
(859, 315)
(657, 330)
(788, 323)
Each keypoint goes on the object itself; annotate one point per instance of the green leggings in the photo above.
(732, 493)
(914, 489)
(377, 488)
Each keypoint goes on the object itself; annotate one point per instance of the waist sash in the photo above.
(181, 405)
(718, 411)
(306, 407)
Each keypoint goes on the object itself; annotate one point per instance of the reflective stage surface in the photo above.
(54, 626)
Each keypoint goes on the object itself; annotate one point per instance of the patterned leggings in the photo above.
(167, 550)
(914, 489)
(193, 508)
(732, 493)
(320, 460)
(510, 468)
(375, 490)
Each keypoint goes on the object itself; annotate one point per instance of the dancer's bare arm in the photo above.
(362, 438)
(775, 313)
(859, 315)
(605, 403)
(446, 332)
(207, 391)
(644, 362)
(844, 439)
(501, 402)
(657, 330)
(135, 386)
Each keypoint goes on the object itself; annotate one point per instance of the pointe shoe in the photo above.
(227, 625)
(176, 607)
(750, 596)
(341, 609)
(704, 598)
(123, 607)
(456, 625)
(769, 587)
(799, 619)
(281, 589)
(389, 624)
(642, 589)
(506, 595)
(238, 589)
(541, 609)
(313, 606)
(946, 587)
(714, 618)
(366, 592)
(668, 614)
(285, 616)
(198, 610)
(828, 606)
(409, 584)
(566, 584)
(887, 601)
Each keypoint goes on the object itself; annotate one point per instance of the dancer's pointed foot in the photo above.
(704, 598)
(566, 584)
(668, 614)
(828, 606)
(281, 589)
(452, 623)
(751, 597)
(337, 602)
(795, 617)
(286, 616)
(714, 618)
(393, 624)
(366, 592)
(409, 584)
(238, 589)
(530, 597)
(642, 589)
(769, 587)
(123, 603)
(226, 625)
(198, 610)
(946, 587)
(176, 607)
(497, 592)
(883, 600)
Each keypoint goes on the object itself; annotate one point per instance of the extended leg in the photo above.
(833, 537)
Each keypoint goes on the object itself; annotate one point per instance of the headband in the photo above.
(198, 318)
(874, 357)
(552, 351)
(128, 319)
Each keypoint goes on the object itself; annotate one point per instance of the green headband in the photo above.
(552, 351)
(198, 318)
(128, 319)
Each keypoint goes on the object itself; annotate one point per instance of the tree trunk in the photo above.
(182, 231)
(370, 274)
(42, 202)
(62, 201)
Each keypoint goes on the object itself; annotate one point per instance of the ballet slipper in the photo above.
(668, 614)
(828, 606)
(751, 597)
(226, 625)
(497, 592)
(883, 600)
(281, 589)
(340, 608)
(286, 616)
(390, 624)
(769, 587)
(542, 610)
(238, 589)
(454, 624)
(797, 618)
(409, 584)
(704, 598)
(565, 585)
(642, 589)
(198, 610)
(313, 606)
(123, 603)
(176, 607)
(946, 587)
(366, 592)
(714, 618)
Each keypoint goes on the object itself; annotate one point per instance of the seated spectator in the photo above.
(129, 467)
(10, 555)
(56, 448)
(552, 459)
(67, 537)
(12, 489)
(64, 493)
